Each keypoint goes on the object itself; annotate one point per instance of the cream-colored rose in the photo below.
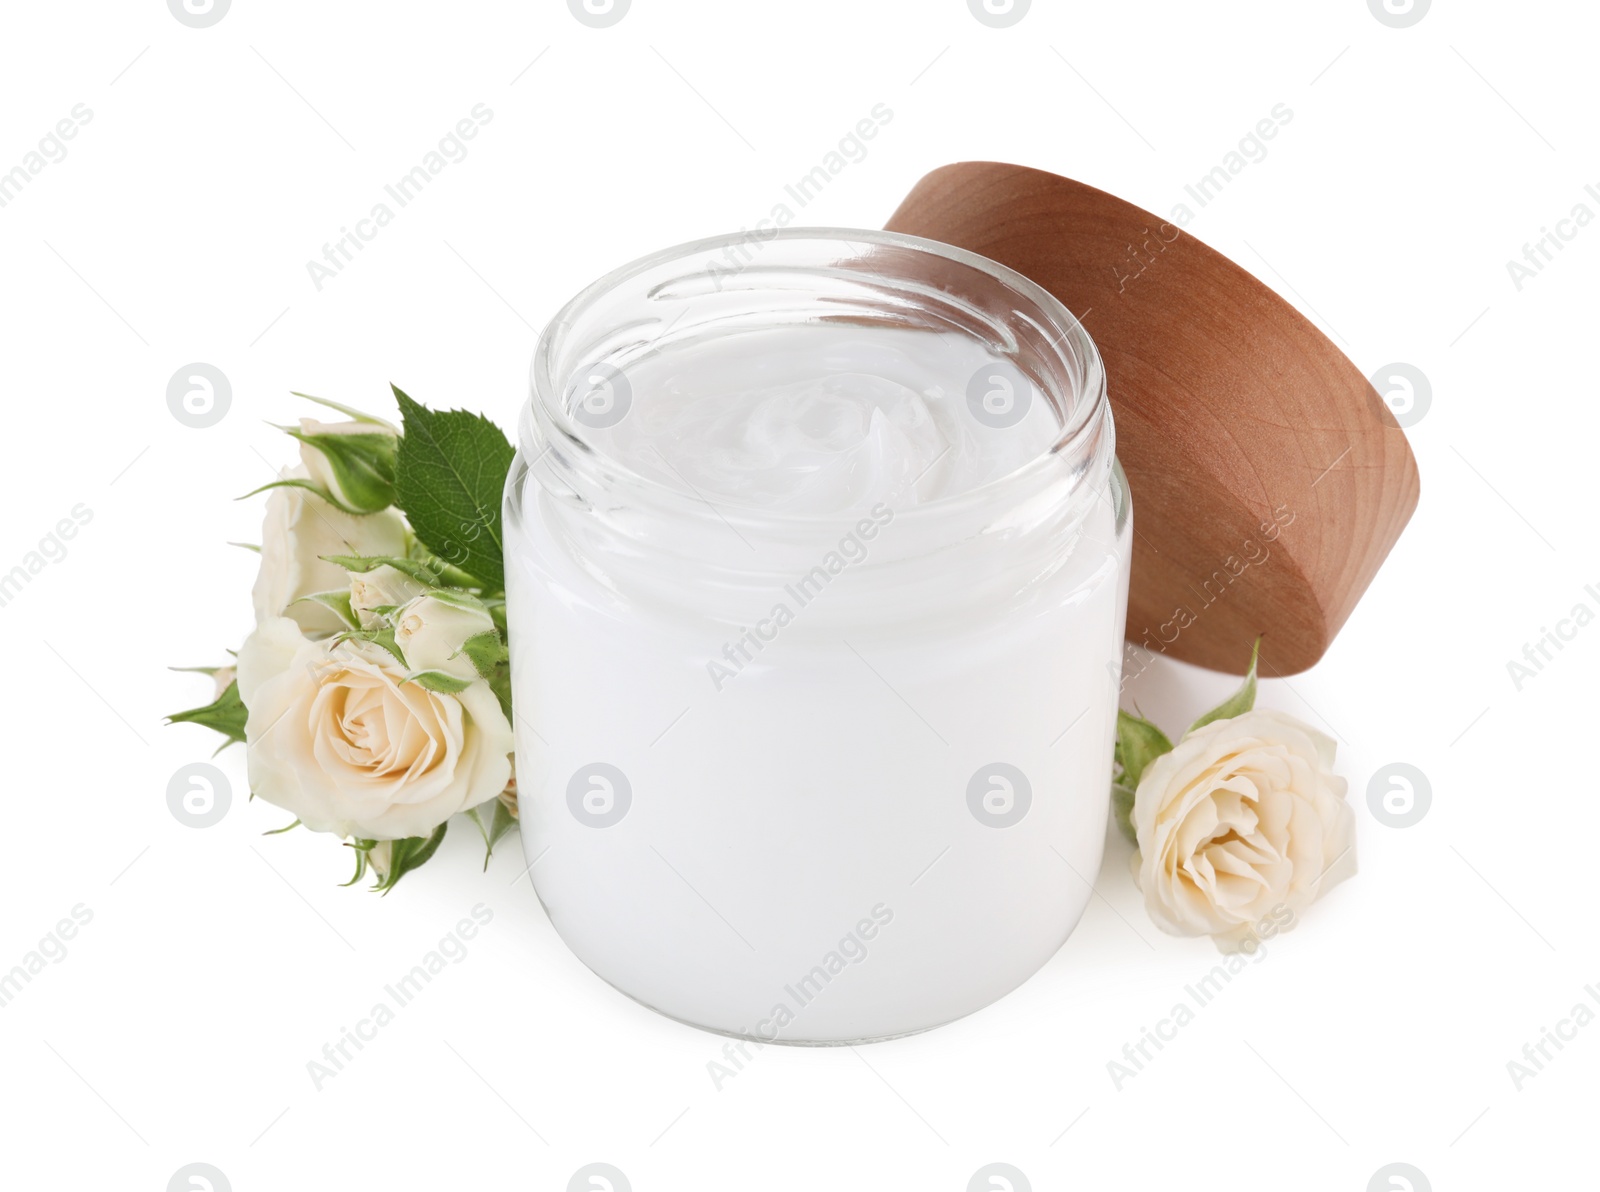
(431, 630)
(335, 736)
(382, 587)
(1243, 821)
(300, 528)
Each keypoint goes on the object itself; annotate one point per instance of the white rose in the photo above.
(431, 630)
(1243, 820)
(300, 527)
(382, 587)
(337, 738)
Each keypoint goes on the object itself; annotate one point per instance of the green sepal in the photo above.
(249, 546)
(338, 601)
(362, 564)
(459, 599)
(450, 577)
(440, 681)
(226, 714)
(1122, 810)
(502, 822)
(1138, 744)
(362, 464)
(486, 652)
(1239, 702)
(500, 684)
(348, 411)
(383, 636)
(282, 830)
(497, 613)
(310, 487)
(408, 854)
(360, 848)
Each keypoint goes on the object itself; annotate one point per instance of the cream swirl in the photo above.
(825, 418)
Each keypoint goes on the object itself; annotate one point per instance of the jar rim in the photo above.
(1072, 344)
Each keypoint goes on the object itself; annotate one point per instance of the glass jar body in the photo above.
(856, 794)
(799, 858)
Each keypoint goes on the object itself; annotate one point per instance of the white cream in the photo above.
(813, 845)
(823, 419)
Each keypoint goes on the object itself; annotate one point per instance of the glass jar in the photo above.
(831, 770)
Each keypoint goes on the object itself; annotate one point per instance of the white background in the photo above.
(219, 161)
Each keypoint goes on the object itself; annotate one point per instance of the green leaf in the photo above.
(1138, 744)
(362, 464)
(1239, 702)
(1122, 810)
(408, 854)
(226, 714)
(347, 411)
(450, 477)
(337, 600)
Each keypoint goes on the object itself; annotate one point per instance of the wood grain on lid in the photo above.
(1269, 479)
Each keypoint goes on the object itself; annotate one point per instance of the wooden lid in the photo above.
(1269, 479)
